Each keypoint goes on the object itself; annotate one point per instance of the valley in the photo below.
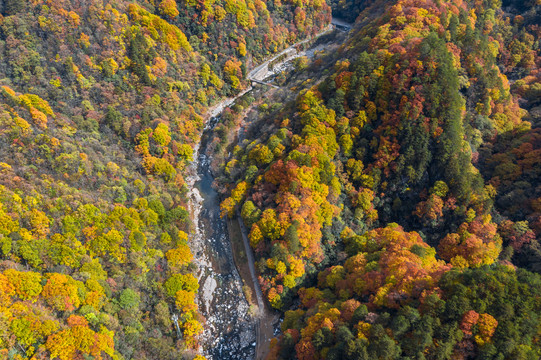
(231, 329)
(270, 179)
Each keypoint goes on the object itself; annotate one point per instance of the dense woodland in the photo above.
(394, 201)
(101, 104)
(391, 189)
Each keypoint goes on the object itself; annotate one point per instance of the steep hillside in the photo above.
(101, 104)
(390, 187)
(387, 201)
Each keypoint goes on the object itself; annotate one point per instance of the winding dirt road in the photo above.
(265, 318)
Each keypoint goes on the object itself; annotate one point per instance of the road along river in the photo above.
(230, 330)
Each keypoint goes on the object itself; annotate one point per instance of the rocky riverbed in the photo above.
(229, 330)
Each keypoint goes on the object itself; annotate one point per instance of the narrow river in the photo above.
(230, 330)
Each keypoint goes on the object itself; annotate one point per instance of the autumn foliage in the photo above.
(402, 172)
(101, 107)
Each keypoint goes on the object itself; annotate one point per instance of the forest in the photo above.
(101, 105)
(391, 188)
(393, 197)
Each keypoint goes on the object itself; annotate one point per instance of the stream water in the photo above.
(229, 330)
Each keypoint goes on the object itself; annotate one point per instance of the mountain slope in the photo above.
(101, 104)
(378, 196)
